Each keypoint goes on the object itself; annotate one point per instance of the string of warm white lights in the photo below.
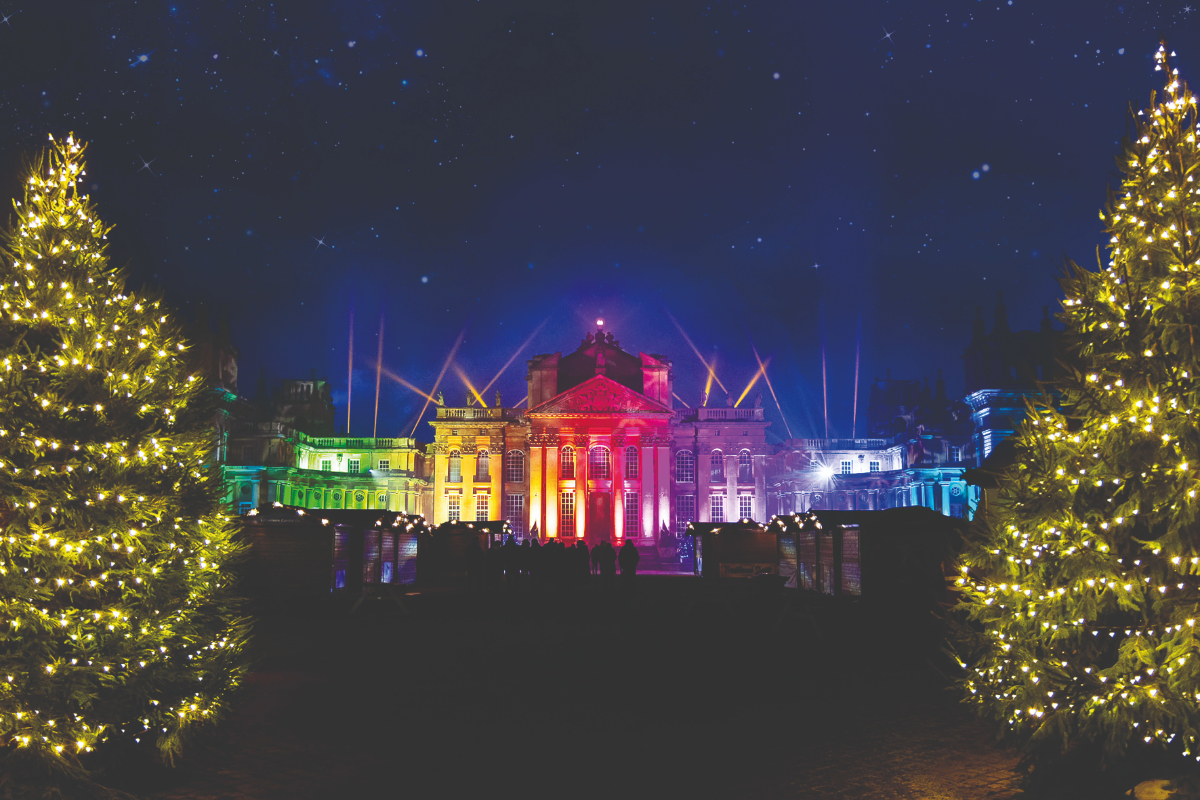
(115, 608)
(1084, 589)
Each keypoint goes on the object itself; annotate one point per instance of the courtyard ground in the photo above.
(676, 688)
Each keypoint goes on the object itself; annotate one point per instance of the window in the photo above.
(352, 465)
(383, 464)
(481, 466)
(298, 497)
(482, 507)
(455, 475)
(716, 507)
(515, 470)
(745, 506)
(745, 466)
(567, 471)
(633, 516)
(685, 512)
(685, 466)
(874, 466)
(248, 454)
(381, 502)
(847, 466)
(326, 465)
(599, 464)
(717, 464)
(454, 507)
(956, 455)
(567, 504)
(631, 463)
(243, 508)
(514, 510)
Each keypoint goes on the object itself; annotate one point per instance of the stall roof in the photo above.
(741, 525)
(351, 517)
(493, 527)
(899, 520)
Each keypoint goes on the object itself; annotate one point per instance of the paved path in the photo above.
(669, 693)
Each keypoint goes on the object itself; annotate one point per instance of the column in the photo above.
(536, 495)
(760, 489)
(618, 486)
(946, 498)
(439, 485)
(646, 471)
(469, 459)
(662, 484)
(552, 491)
(703, 484)
(581, 473)
(496, 456)
(732, 507)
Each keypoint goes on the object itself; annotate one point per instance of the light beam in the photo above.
(711, 372)
(387, 373)
(350, 373)
(824, 379)
(774, 397)
(378, 372)
(762, 369)
(857, 355)
(438, 382)
(508, 363)
(463, 376)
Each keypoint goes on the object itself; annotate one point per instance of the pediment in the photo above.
(600, 394)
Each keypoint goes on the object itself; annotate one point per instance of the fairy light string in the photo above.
(116, 612)
(1084, 585)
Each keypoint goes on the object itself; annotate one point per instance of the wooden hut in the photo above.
(741, 549)
(301, 554)
(895, 554)
(443, 549)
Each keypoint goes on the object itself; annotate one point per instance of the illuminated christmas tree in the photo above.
(116, 616)
(1085, 588)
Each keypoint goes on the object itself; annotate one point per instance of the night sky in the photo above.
(487, 167)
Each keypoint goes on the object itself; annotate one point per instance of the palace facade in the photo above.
(602, 452)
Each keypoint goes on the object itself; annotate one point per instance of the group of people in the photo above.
(553, 565)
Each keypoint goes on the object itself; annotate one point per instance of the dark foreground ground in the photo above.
(676, 688)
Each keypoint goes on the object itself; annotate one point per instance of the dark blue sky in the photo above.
(488, 166)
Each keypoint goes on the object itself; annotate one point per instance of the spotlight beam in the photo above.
(378, 372)
(712, 373)
(463, 376)
(762, 369)
(774, 397)
(387, 373)
(508, 363)
(350, 373)
(438, 382)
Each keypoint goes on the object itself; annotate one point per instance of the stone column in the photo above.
(946, 498)
(662, 482)
(759, 465)
(581, 475)
(703, 484)
(732, 504)
(536, 495)
(496, 457)
(439, 484)
(646, 471)
(617, 446)
(552, 501)
(468, 483)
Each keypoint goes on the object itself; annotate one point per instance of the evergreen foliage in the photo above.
(116, 612)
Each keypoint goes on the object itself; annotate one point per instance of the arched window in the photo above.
(514, 470)
(481, 466)
(382, 501)
(745, 466)
(567, 469)
(631, 463)
(599, 464)
(685, 466)
(455, 475)
(717, 466)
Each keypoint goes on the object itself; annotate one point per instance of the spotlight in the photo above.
(825, 472)
(600, 323)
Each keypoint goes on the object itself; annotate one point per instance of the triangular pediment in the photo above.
(599, 395)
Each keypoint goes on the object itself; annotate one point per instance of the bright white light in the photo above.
(600, 323)
(825, 472)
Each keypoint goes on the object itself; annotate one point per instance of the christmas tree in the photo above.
(1084, 585)
(116, 613)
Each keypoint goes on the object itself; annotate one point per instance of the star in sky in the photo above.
(1031, 41)
(275, 51)
(146, 164)
(1188, 9)
(6, 17)
(816, 266)
(887, 34)
(320, 242)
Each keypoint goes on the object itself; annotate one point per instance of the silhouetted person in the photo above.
(473, 555)
(628, 560)
(510, 560)
(583, 563)
(493, 564)
(608, 564)
(597, 551)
